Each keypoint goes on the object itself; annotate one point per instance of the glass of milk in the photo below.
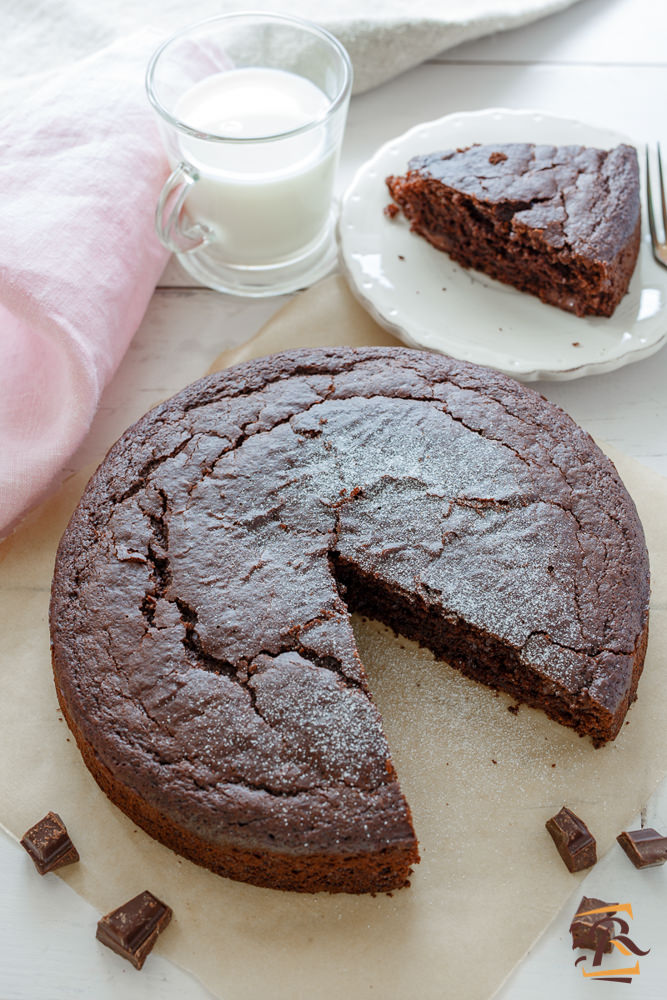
(251, 109)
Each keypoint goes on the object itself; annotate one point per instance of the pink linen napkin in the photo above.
(81, 167)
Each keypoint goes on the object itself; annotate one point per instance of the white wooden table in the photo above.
(603, 61)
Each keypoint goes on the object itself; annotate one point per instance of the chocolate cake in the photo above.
(560, 222)
(202, 646)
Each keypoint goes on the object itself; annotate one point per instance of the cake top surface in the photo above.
(200, 638)
(584, 198)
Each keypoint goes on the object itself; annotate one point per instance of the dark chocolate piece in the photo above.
(594, 930)
(49, 844)
(132, 929)
(575, 842)
(646, 848)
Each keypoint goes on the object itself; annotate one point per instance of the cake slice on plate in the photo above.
(560, 222)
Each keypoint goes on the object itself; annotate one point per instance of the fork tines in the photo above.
(659, 245)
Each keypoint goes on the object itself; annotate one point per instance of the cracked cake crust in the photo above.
(560, 222)
(202, 648)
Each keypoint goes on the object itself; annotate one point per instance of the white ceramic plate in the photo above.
(423, 297)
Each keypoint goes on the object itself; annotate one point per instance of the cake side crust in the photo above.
(361, 872)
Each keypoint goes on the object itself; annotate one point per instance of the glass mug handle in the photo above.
(169, 222)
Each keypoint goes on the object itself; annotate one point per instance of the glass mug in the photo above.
(251, 109)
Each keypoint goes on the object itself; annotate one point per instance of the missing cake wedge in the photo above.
(559, 222)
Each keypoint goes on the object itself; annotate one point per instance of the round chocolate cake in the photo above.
(202, 646)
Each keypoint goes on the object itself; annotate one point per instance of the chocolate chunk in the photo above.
(575, 843)
(594, 930)
(646, 848)
(132, 929)
(49, 845)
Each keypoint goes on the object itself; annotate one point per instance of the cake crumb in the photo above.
(514, 709)
(575, 343)
(391, 210)
(401, 257)
(497, 157)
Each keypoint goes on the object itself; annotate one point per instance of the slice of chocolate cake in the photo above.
(560, 222)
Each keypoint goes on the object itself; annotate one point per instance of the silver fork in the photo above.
(659, 246)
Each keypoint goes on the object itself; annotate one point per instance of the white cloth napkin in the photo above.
(383, 37)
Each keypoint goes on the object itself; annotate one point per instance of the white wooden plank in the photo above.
(606, 32)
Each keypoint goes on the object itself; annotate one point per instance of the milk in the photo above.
(263, 201)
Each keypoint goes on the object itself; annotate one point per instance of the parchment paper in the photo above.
(481, 782)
